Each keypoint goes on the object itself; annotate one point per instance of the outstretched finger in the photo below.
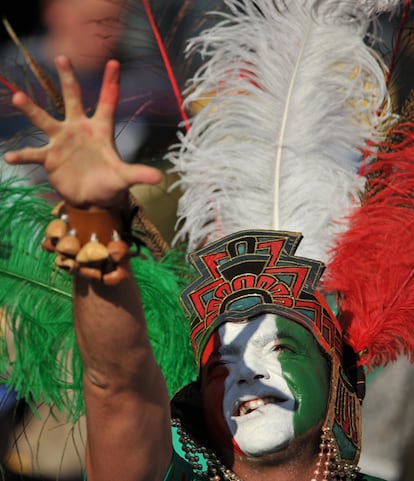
(109, 95)
(38, 116)
(28, 155)
(71, 91)
(141, 174)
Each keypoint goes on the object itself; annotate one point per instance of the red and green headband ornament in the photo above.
(251, 272)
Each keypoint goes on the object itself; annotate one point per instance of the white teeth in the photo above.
(249, 406)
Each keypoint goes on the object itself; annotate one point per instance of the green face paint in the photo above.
(306, 372)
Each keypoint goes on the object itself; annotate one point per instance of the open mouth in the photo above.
(247, 407)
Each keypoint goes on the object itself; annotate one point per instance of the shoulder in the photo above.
(367, 477)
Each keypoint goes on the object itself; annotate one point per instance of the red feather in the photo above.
(372, 265)
(167, 63)
(8, 85)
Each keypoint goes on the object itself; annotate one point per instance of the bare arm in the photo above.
(125, 393)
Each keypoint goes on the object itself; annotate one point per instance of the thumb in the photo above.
(141, 174)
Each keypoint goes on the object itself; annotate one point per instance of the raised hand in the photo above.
(81, 158)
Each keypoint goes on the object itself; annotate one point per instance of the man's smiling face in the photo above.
(265, 383)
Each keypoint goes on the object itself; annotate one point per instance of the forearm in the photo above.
(111, 332)
(125, 394)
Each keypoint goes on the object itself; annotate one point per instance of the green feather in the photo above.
(161, 283)
(43, 364)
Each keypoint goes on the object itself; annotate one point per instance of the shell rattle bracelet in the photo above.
(93, 243)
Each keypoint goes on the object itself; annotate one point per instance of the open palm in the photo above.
(80, 158)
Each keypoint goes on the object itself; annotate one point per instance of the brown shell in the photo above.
(66, 263)
(92, 251)
(68, 245)
(90, 272)
(57, 210)
(48, 245)
(118, 250)
(56, 229)
(115, 277)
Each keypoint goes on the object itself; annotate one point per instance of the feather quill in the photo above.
(166, 61)
(289, 105)
(9, 86)
(37, 70)
(147, 43)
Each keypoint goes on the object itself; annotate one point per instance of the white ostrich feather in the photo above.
(381, 6)
(296, 94)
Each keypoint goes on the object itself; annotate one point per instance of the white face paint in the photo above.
(258, 405)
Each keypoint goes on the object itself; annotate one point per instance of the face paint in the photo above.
(265, 383)
(257, 406)
(306, 372)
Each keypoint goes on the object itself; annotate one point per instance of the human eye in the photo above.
(215, 364)
(280, 346)
(217, 367)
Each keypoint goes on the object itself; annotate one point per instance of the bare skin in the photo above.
(80, 159)
(125, 394)
(128, 418)
(297, 461)
(86, 31)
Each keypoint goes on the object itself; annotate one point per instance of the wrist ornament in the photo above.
(94, 243)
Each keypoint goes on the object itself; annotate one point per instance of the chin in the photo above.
(263, 433)
(307, 444)
(262, 452)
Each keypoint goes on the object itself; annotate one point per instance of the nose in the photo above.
(249, 374)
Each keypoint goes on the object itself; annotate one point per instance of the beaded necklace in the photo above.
(329, 467)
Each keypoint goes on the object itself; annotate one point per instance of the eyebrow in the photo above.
(265, 339)
(234, 350)
(226, 350)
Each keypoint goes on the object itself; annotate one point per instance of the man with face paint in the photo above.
(277, 396)
(277, 385)
(269, 382)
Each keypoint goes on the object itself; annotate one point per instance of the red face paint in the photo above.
(213, 377)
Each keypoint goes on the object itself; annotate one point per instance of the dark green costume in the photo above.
(183, 470)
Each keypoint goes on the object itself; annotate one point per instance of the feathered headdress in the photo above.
(289, 105)
(290, 110)
(288, 98)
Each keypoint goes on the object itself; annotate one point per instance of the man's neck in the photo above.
(288, 471)
(296, 462)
